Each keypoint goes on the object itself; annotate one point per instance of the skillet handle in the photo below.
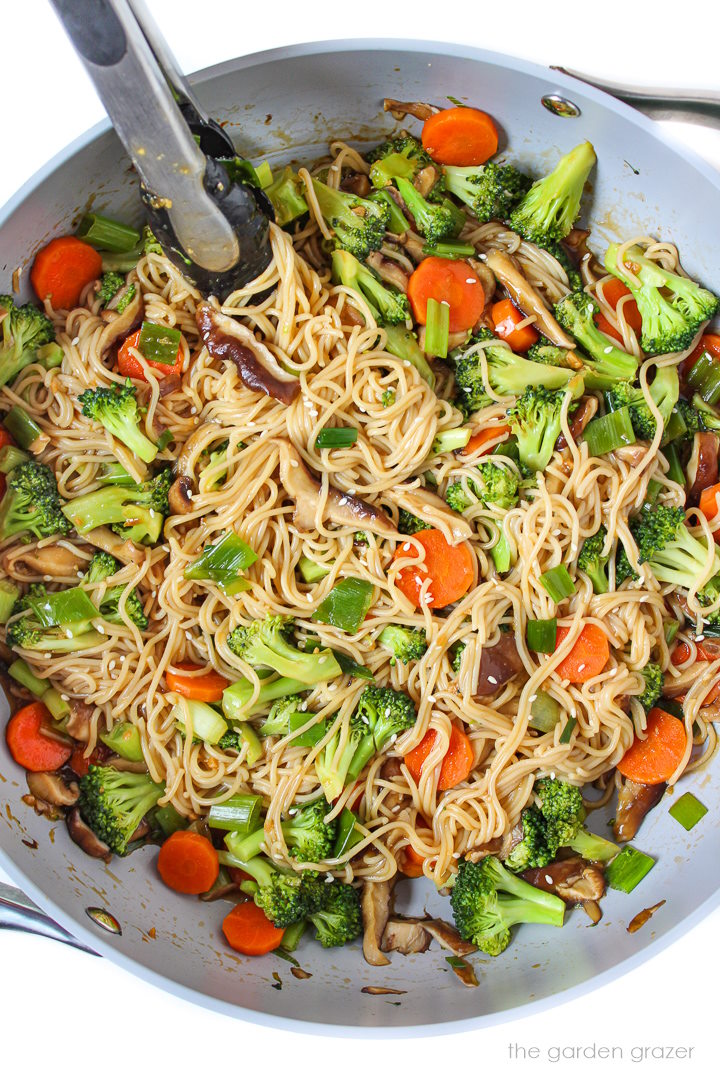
(18, 912)
(683, 106)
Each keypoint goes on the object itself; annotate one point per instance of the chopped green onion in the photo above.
(124, 739)
(310, 737)
(675, 469)
(651, 494)
(11, 457)
(675, 427)
(169, 820)
(451, 439)
(609, 432)
(449, 251)
(544, 712)
(348, 835)
(264, 174)
(115, 473)
(208, 724)
(501, 553)
(566, 733)
(346, 605)
(50, 355)
(254, 749)
(331, 438)
(704, 378)
(670, 628)
(347, 664)
(63, 608)
(55, 704)
(20, 671)
(166, 437)
(311, 571)
(398, 223)
(241, 814)
(688, 811)
(107, 235)
(159, 343)
(22, 427)
(541, 635)
(437, 328)
(223, 563)
(627, 869)
(9, 595)
(290, 941)
(557, 583)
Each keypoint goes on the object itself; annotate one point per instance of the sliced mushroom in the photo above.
(573, 880)
(340, 508)
(179, 495)
(400, 109)
(85, 838)
(54, 560)
(431, 508)
(405, 936)
(78, 723)
(576, 246)
(582, 417)
(51, 788)
(702, 468)
(228, 339)
(376, 907)
(426, 180)
(487, 279)
(356, 183)
(499, 664)
(411, 242)
(527, 298)
(447, 936)
(510, 840)
(119, 326)
(389, 271)
(630, 455)
(635, 801)
(124, 550)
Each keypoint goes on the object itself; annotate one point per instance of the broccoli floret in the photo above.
(508, 373)
(406, 643)
(361, 539)
(388, 398)
(113, 803)
(110, 284)
(542, 352)
(496, 486)
(532, 850)
(436, 221)
(22, 331)
(535, 421)
(549, 210)
(654, 680)
(388, 306)
(286, 898)
(277, 721)
(606, 364)
(232, 740)
(27, 633)
(706, 598)
(339, 918)
(310, 838)
(592, 561)
(402, 343)
(401, 157)
(664, 391)
(674, 555)
(560, 253)
(491, 191)
(487, 900)
(210, 462)
(408, 523)
(672, 308)
(150, 243)
(333, 762)
(103, 566)
(286, 195)
(135, 512)
(561, 806)
(116, 409)
(359, 224)
(404, 143)
(263, 644)
(31, 504)
(457, 652)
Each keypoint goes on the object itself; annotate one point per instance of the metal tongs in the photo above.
(215, 231)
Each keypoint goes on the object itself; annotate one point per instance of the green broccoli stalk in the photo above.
(664, 391)
(388, 306)
(285, 897)
(359, 225)
(23, 330)
(113, 803)
(561, 805)
(133, 512)
(334, 760)
(406, 643)
(263, 644)
(654, 680)
(382, 715)
(401, 157)
(606, 364)
(402, 343)
(672, 307)
(496, 486)
(339, 919)
(674, 555)
(31, 504)
(592, 562)
(508, 373)
(487, 900)
(285, 194)
(309, 837)
(27, 633)
(549, 210)
(236, 699)
(542, 352)
(436, 221)
(491, 191)
(103, 566)
(116, 409)
(535, 421)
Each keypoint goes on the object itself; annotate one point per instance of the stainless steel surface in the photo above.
(683, 106)
(18, 912)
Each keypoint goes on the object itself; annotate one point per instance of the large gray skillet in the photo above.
(287, 104)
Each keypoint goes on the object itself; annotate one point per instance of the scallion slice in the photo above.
(166, 437)
(311, 571)
(348, 834)
(437, 329)
(159, 343)
(449, 250)
(169, 819)
(223, 562)
(704, 378)
(670, 628)
(675, 427)
(675, 469)
(22, 427)
(566, 733)
(451, 439)
(651, 494)
(264, 174)
(310, 737)
(544, 712)
(107, 235)
(609, 432)
(541, 634)
(63, 608)
(557, 583)
(627, 869)
(337, 438)
(346, 605)
(687, 811)
(241, 813)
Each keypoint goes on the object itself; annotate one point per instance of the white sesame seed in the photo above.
(75, 341)
(492, 679)
(351, 491)
(470, 280)
(609, 349)
(533, 698)
(548, 879)
(445, 303)
(700, 637)
(65, 697)
(581, 667)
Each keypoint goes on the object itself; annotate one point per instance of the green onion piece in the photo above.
(310, 737)
(11, 457)
(651, 494)
(675, 470)
(254, 748)
(688, 811)
(544, 712)
(107, 235)
(311, 571)
(670, 628)
(20, 671)
(452, 439)
(50, 355)
(124, 739)
(704, 378)
(264, 174)
(63, 608)
(610, 432)
(566, 733)
(346, 605)
(675, 427)
(207, 723)
(166, 437)
(290, 940)
(22, 427)
(237, 585)
(449, 251)
(557, 583)
(115, 473)
(348, 835)
(437, 329)
(397, 223)
(240, 814)
(55, 704)
(9, 595)
(350, 666)
(541, 635)
(159, 343)
(627, 869)
(336, 438)
(223, 563)
(169, 820)
(501, 553)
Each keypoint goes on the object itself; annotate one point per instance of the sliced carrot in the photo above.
(130, 366)
(411, 862)
(449, 281)
(505, 317)
(188, 863)
(208, 687)
(249, 931)
(681, 654)
(456, 765)
(80, 764)
(654, 759)
(460, 136)
(28, 745)
(62, 269)
(449, 570)
(238, 876)
(613, 291)
(588, 656)
(488, 437)
(6, 438)
(709, 505)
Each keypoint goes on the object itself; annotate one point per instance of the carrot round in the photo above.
(208, 687)
(460, 136)
(249, 931)
(130, 366)
(709, 505)
(681, 654)
(188, 863)
(450, 281)
(6, 438)
(505, 317)
(613, 292)
(28, 745)
(411, 862)
(654, 759)
(449, 570)
(62, 269)
(456, 765)
(588, 656)
(485, 438)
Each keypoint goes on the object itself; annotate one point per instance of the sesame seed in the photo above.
(533, 698)
(65, 697)
(492, 679)
(609, 349)
(700, 637)
(351, 491)
(469, 281)
(75, 341)
(548, 879)
(581, 667)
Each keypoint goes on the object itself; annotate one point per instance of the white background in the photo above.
(64, 1014)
